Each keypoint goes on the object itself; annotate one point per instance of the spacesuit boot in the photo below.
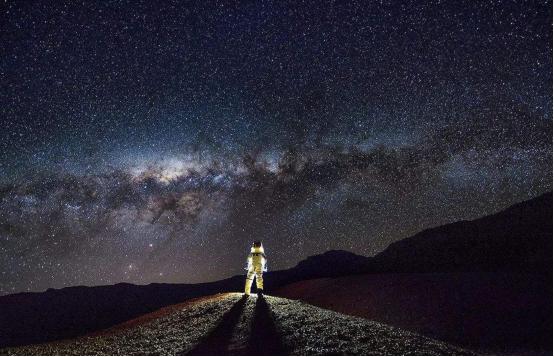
(260, 283)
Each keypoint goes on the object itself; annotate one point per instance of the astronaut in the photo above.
(256, 266)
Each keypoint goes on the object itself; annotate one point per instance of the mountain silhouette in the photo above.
(518, 239)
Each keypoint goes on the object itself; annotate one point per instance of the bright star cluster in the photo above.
(152, 141)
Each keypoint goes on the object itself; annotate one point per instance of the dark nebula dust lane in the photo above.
(153, 141)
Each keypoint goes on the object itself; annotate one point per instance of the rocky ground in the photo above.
(499, 313)
(230, 324)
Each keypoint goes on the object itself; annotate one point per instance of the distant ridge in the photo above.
(517, 239)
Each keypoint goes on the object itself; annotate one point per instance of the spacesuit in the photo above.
(256, 266)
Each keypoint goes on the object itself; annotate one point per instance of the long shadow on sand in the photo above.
(265, 340)
(217, 341)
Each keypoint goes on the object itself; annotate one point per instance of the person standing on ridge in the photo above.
(256, 267)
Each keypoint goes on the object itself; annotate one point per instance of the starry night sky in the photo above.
(148, 141)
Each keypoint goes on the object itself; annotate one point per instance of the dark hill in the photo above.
(518, 239)
(329, 264)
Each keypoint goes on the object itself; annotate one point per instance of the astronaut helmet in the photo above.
(257, 246)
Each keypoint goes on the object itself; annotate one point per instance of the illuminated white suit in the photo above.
(256, 267)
